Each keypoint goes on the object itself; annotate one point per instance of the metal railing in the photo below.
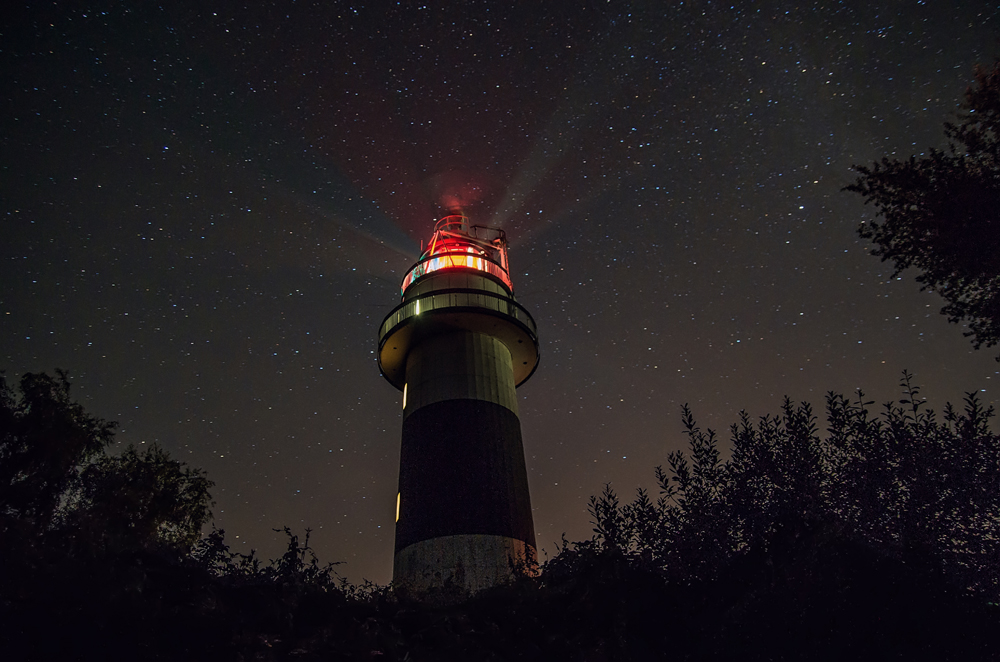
(467, 299)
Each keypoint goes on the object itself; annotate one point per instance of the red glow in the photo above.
(458, 245)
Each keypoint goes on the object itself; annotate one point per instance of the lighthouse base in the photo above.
(452, 568)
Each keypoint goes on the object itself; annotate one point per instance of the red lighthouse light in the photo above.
(458, 245)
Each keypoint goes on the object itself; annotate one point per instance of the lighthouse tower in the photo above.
(456, 347)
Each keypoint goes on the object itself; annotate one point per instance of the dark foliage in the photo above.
(45, 440)
(58, 484)
(918, 490)
(867, 535)
(140, 498)
(875, 540)
(941, 213)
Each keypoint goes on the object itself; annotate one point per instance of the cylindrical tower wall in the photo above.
(461, 365)
(464, 515)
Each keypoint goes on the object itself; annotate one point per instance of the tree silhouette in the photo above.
(45, 440)
(918, 489)
(60, 489)
(138, 499)
(941, 213)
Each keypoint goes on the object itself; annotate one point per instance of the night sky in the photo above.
(207, 210)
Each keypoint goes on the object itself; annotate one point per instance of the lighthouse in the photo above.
(456, 348)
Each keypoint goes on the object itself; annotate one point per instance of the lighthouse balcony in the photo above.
(475, 311)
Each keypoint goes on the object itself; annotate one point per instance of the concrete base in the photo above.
(459, 566)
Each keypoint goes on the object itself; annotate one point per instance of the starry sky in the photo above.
(206, 210)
